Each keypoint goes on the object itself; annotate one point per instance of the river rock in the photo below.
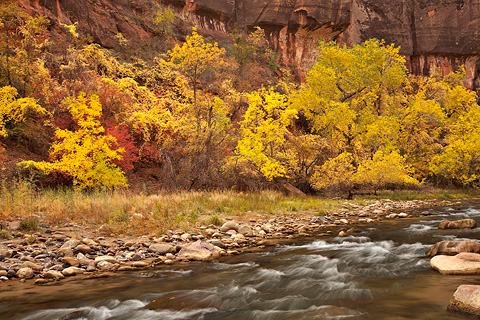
(105, 265)
(76, 315)
(229, 225)
(459, 224)
(466, 299)
(83, 248)
(52, 274)
(71, 271)
(140, 264)
(245, 230)
(217, 243)
(72, 243)
(70, 261)
(25, 273)
(462, 263)
(109, 259)
(199, 250)
(84, 261)
(34, 266)
(89, 242)
(454, 247)
(162, 248)
(3, 273)
(66, 251)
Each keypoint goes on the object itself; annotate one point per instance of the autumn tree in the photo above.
(22, 39)
(459, 161)
(86, 154)
(195, 58)
(264, 134)
(349, 100)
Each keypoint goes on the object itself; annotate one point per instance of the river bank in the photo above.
(56, 253)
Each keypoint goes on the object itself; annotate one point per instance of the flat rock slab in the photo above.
(466, 300)
(461, 264)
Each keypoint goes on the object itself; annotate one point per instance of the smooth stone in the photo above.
(36, 267)
(106, 265)
(70, 261)
(229, 225)
(84, 261)
(25, 273)
(109, 259)
(217, 243)
(162, 248)
(140, 264)
(52, 274)
(71, 271)
(466, 299)
(83, 248)
(72, 243)
(89, 242)
(3, 273)
(461, 264)
(200, 251)
(66, 251)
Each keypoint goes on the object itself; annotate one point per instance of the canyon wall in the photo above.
(433, 34)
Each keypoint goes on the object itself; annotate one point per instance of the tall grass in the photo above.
(124, 211)
(129, 212)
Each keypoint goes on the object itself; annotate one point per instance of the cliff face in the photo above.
(433, 34)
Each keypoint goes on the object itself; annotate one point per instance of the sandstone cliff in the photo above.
(433, 34)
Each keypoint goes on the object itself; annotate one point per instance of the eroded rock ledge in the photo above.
(433, 34)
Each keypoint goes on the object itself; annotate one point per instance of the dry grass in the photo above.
(135, 213)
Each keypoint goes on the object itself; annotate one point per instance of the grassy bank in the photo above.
(136, 213)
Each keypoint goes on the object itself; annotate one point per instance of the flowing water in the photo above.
(378, 273)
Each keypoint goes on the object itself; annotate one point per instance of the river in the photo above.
(380, 272)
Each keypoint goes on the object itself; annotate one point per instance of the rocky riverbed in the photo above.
(60, 252)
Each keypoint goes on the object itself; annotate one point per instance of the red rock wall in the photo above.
(433, 34)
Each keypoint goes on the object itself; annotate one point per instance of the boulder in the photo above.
(466, 299)
(229, 225)
(162, 248)
(459, 224)
(200, 251)
(454, 247)
(462, 263)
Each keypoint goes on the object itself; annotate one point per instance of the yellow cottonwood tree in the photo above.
(264, 133)
(195, 57)
(460, 160)
(383, 169)
(87, 154)
(14, 110)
